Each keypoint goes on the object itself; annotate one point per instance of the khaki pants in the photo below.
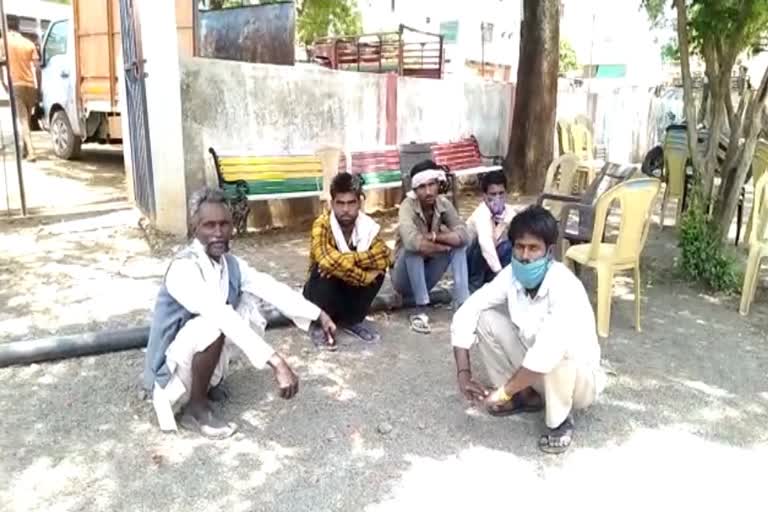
(567, 387)
(26, 98)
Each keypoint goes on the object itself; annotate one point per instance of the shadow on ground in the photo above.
(685, 412)
(681, 425)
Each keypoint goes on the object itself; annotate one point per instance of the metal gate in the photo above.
(136, 103)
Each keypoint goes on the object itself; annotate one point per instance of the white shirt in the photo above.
(205, 294)
(488, 233)
(558, 323)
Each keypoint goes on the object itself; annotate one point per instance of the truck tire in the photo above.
(66, 144)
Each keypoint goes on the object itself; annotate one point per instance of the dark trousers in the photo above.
(478, 269)
(344, 303)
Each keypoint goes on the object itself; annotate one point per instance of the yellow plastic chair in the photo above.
(635, 198)
(758, 243)
(564, 137)
(675, 156)
(584, 148)
(759, 166)
(559, 181)
(582, 141)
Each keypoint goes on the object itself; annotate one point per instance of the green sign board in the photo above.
(450, 31)
(611, 71)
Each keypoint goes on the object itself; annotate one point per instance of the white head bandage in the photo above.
(425, 177)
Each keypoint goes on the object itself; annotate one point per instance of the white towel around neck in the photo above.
(364, 232)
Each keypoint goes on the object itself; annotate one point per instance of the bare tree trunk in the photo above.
(531, 145)
(704, 108)
(719, 62)
(729, 164)
(730, 111)
(685, 67)
(727, 207)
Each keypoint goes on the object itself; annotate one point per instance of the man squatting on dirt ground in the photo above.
(205, 310)
(348, 259)
(535, 331)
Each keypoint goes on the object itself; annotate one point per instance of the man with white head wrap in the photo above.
(430, 237)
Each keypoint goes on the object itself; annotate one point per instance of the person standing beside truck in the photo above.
(23, 60)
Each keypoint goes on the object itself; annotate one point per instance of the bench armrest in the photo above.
(557, 197)
(494, 160)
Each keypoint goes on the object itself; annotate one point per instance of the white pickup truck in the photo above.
(81, 60)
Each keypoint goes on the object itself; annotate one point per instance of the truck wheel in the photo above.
(66, 144)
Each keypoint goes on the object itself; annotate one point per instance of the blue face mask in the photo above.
(530, 275)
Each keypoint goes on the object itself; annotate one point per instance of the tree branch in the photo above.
(726, 207)
(685, 67)
(732, 125)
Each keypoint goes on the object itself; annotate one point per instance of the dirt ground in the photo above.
(96, 180)
(682, 424)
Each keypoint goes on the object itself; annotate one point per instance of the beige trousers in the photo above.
(502, 349)
(26, 97)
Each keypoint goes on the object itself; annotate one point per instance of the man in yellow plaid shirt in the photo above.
(348, 261)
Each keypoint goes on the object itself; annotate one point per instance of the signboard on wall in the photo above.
(450, 31)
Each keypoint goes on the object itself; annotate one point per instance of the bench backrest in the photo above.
(463, 154)
(270, 174)
(375, 161)
(378, 168)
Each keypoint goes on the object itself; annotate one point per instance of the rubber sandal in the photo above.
(363, 331)
(562, 436)
(420, 323)
(212, 428)
(517, 405)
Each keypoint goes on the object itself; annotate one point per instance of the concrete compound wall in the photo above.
(271, 110)
(628, 122)
(444, 110)
(266, 109)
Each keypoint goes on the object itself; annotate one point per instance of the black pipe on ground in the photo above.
(91, 343)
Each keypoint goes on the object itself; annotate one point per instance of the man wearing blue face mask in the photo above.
(535, 331)
(491, 249)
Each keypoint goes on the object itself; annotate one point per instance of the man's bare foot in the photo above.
(199, 417)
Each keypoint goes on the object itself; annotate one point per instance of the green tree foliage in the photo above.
(718, 31)
(670, 52)
(703, 258)
(320, 18)
(567, 57)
